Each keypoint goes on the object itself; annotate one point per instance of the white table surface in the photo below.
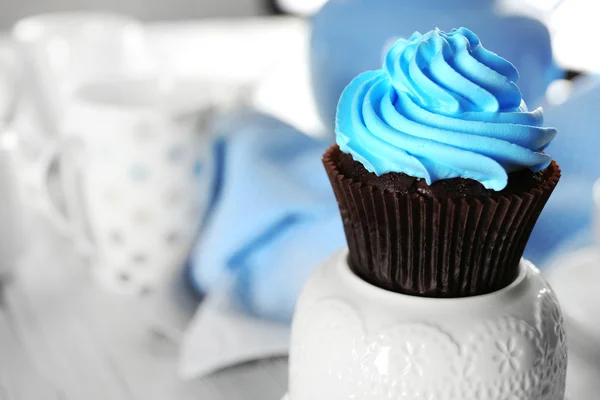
(62, 337)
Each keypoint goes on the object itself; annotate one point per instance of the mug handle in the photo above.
(69, 223)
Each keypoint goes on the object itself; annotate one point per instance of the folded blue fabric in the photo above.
(273, 218)
(570, 209)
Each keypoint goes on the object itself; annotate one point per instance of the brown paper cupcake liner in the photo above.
(436, 247)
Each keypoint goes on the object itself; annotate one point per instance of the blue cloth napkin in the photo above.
(273, 217)
(350, 36)
(576, 148)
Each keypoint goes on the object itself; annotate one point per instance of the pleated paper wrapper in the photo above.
(436, 247)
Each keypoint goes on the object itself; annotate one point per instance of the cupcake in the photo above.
(439, 169)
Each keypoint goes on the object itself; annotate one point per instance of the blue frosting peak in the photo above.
(442, 107)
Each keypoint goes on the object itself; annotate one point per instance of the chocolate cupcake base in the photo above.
(453, 238)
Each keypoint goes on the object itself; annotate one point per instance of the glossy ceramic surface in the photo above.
(351, 340)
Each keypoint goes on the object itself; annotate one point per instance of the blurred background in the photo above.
(14, 10)
(162, 199)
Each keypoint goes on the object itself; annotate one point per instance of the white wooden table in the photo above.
(61, 337)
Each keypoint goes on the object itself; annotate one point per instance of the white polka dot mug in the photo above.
(139, 179)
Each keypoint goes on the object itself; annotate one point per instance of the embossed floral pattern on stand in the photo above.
(415, 360)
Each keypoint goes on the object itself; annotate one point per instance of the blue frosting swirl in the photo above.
(442, 107)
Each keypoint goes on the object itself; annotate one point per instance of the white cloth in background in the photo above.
(221, 336)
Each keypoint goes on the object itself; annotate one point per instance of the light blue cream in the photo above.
(442, 107)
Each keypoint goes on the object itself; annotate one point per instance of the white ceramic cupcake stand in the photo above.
(351, 340)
